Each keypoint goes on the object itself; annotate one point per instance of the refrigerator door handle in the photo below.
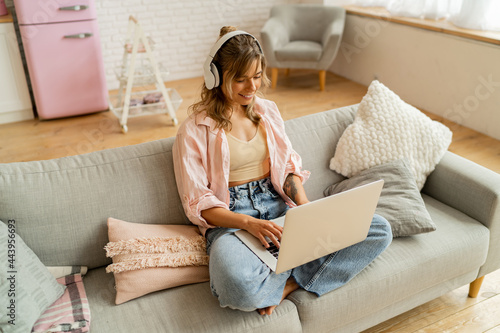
(74, 8)
(80, 35)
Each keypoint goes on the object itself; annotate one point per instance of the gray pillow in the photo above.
(26, 285)
(400, 202)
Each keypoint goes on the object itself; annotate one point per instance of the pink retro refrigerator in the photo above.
(63, 52)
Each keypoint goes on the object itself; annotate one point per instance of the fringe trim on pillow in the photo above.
(149, 252)
(131, 262)
(156, 245)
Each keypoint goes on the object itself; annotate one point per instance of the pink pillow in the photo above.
(152, 257)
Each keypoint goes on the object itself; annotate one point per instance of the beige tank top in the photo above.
(248, 159)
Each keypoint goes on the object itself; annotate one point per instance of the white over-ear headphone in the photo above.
(210, 70)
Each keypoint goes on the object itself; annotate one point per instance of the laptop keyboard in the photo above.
(273, 250)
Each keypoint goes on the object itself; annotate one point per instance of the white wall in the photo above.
(183, 31)
(453, 77)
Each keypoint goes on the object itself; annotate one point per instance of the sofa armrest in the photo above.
(336, 28)
(473, 190)
(331, 40)
(331, 43)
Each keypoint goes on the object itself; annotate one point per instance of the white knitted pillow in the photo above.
(385, 129)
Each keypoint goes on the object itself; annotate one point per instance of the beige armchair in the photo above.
(302, 36)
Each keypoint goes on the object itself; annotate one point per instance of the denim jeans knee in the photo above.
(381, 227)
(239, 279)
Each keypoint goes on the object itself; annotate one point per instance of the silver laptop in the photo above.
(321, 227)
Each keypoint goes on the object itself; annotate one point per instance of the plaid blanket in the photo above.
(60, 271)
(70, 313)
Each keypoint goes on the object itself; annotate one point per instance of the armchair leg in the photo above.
(475, 286)
(322, 80)
(274, 77)
(287, 71)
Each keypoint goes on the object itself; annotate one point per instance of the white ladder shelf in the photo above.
(137, 42)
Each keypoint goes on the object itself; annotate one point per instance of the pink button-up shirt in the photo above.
(201, 161)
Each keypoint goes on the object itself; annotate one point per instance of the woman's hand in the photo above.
(262, 229)
(259, 228)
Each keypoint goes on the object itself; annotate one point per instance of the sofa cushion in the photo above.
(299, 51)
(411, 272)
(385, 129)
(400, 201)
(190, 308)
(142, 268)
(62, 205)
(27, 287)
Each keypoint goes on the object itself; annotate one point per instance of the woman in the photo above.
(235, 169)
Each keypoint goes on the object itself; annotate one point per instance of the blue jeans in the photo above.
(240, 280)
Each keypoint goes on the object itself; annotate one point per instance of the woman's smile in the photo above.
(247, 96)
(246, 86)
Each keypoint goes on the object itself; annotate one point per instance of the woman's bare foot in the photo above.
(290, 286)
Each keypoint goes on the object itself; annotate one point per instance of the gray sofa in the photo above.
(61, 207)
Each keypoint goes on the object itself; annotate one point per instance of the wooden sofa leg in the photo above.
(287, 71)
(274, 77)
(322, 80)
(475, 286)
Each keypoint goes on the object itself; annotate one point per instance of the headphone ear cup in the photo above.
(214, 68)
(209, 77)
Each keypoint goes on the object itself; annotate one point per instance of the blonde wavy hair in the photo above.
(235, 58)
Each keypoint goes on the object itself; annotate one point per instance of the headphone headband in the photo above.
(210, 71)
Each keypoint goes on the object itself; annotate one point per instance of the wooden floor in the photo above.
(296, 95)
